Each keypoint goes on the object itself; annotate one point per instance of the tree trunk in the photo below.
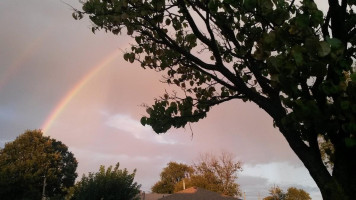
(339, 186)
(344, 172)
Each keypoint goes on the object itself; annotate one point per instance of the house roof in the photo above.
(153, 196)
(196, 193)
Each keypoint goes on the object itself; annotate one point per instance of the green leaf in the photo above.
(298, 55)
(302, 21)
(334, 43)
(245, 78)
(191, 83)
(250, 4)
(270, 37)
(353, 76)
(126, 56)
(130, 30)
(213, 5)
(74, 15)
(345, 105)
(168, 21)
(350, 142)
(143, 121)
(160, 4)
(317, 17)
(275, 78)
(266, 6)
(259, 54)
(149, 110)
(131, 57)
(275, 62)
(191, 38)
(324, 49)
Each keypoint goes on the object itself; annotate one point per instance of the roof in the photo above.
(152, 196)
(196, 193)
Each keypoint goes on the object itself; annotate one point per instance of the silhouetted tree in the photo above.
(109, 184)
(287, 57)
(31, 161)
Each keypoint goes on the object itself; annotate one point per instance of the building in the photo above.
(152, 196)
(195, 193)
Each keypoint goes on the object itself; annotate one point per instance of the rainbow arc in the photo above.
(76, 89)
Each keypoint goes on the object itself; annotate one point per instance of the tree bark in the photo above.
(344, 171)
(341, 185)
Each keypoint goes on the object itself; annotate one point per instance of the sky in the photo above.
(56, 75)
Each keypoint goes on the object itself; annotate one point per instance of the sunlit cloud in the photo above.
(133, 127)
(104, 157)
(258, 187)
(276, 173)
(257, 179)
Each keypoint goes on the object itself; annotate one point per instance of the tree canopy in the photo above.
(217, 173)
(170, 176)
(214, 173)
(109, 184)
(287, 56)
(276, 193)
(293, 193)
(31, 161)
(297, 194)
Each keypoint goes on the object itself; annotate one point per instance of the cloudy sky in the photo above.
(58, 76)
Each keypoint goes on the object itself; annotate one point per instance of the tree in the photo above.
(288, 57)
(109, 184)
(210, 172)
(297, 194)
(293, 193)
(217, 173)
(276, 193)
(170, 176)
(31, 161)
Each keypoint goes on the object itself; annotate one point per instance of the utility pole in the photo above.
(44, 188)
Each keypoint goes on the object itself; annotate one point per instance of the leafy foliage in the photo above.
(217, 173)
(297, 194)
(170, 176)
(293, 193)
(288, 57)
(109, 184)
(213, 173)
(276, 193)
(31, 157)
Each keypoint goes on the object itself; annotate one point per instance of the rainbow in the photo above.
(74, 90)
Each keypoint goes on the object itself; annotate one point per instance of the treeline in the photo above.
(215, 173)
(34, 166)
(276, 193)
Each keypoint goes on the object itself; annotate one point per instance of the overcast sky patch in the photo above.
(129, 125)
(277, 173)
